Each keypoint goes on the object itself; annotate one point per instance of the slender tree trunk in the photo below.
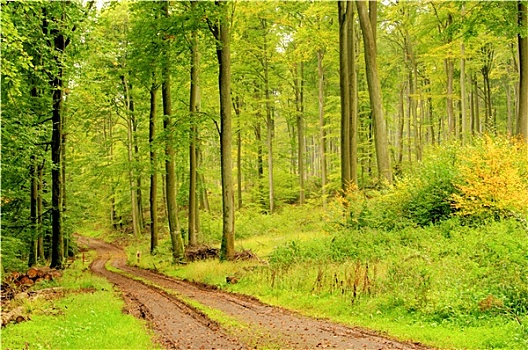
(33, 175)
(449, 100)
(401, 126)
(353, 90)
(63, 189)
(139, 194)
(223, 51)
(409, 119)
(343, 8)
(269, 124)
(379, 126)
(130, 148)
(170, 176)
(509, 120)
(299, 86)
(40, 231)
(194, 102)
(260, 163)
(463, 96)
(57, 243)
(153, 170)
(322, 132)
(237, 106)
(522, 116)
(476, 120)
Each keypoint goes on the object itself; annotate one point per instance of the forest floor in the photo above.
(190, 315)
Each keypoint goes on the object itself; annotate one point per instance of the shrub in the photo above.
(494, 180)
(426, 196)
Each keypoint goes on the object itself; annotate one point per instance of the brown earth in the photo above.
(165, 303)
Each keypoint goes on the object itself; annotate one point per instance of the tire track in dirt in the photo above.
(177, 325)
(267, 326)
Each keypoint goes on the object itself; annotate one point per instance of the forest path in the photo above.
(181, 313)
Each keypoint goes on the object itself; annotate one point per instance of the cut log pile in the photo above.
(32, 276)
(15, 287)
(16, 282)
(246, 255)
(205, 252)
(201, 253)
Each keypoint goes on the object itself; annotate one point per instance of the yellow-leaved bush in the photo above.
(494, 179)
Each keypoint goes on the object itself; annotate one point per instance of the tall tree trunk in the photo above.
(344, 18)
(40, 231)
(353, 90)
(170, 176)
(509, 120)
(139, 194)
(322, 132)
(476, 120)
(260, 162)
(488, 52)
(379, 126)
(401, 126)
(237, 106)
(522, 114)
(194, 103)
(463, 96)
(57, 241)
(33, 175)
(299, 87)
(153, 170)
(130, 152)
(269, 122)
(63, 189)
(223, 51)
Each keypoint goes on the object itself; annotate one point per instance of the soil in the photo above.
(178, 325)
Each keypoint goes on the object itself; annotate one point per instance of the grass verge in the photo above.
(88, 316)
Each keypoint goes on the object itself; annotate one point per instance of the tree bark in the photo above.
(269, 122)
(153, 170)
(130, 152)
(222, 33)
(170, 176)
(343, 8)
(194, 103)
(522, 116)
(237, 106)
(33, 175)
(322, 132)
(379, 126)
(299, 87)
(353, 90)
(463, 95)
(40, 232)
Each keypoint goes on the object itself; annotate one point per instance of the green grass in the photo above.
(426, 284)
(86, 321)
(89, 316)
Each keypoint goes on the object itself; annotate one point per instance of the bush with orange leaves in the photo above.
(494, 180)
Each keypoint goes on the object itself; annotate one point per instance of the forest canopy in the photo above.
(140, 115)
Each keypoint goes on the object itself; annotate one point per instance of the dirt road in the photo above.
(173, 309)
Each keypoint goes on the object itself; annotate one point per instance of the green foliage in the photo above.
(494, 180)
(13, 250)
(426, 195)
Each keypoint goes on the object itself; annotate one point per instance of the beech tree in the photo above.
(380, 132)
(221, 31)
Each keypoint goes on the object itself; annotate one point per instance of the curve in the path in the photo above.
(267, 326)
